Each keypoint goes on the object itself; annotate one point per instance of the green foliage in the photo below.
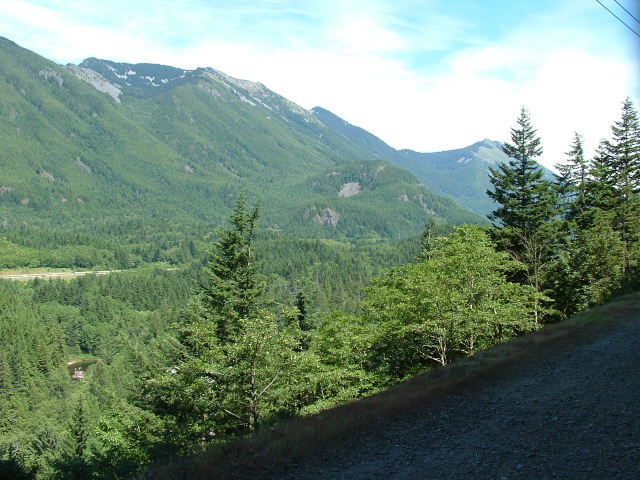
(572, 181)
(525, 200)
(594, 266)
(461, 174)
(601, 251)
(233, 289)
(125, 440)
(526, 209)
(337, 369)
(230, 374)
(228, 388)
(261, 340)
(48, 423)
(617, 174)
(454, 303)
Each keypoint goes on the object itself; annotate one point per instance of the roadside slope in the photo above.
(559, 403)
(571, 412)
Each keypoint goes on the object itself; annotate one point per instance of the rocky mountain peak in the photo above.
(143, 75)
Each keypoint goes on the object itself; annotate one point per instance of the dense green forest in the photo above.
(205, 336)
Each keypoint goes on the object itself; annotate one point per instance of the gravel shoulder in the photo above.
(571, 413)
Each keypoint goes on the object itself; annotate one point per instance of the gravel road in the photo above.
(572, 414)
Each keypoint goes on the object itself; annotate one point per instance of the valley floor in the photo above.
(570, 413)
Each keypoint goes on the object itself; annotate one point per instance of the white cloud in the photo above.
(64, 39)
(366, 35)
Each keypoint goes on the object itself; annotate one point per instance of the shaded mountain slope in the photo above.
(462, 173)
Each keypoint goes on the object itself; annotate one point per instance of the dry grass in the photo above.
(25, 270)
(268, 452)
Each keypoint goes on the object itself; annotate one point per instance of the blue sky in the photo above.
(427, 75)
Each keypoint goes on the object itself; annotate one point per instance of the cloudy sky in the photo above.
(422, 74)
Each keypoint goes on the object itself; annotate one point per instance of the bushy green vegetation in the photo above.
(578, 237)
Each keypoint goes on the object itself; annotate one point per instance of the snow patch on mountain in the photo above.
(151, 77)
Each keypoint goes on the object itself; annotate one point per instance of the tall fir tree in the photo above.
(525, 199)
(572, 180)
(615, 180)
(626, 167)
(527, 204)
(234, 287)
(235, 360)
(626, 150)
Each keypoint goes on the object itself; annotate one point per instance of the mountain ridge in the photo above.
(71, 151)
(462, 173)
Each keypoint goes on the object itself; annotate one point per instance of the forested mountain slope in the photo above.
(462, 173)
(105, 141)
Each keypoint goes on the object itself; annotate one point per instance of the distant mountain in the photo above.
(461, 173)
(102, 141)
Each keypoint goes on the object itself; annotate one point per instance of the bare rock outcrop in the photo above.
(96, 80)
(325, 216)
(47, 74)
(350, 189)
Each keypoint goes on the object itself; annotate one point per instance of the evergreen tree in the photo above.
(625, 153)
(615, 184)
(525, 200)
(302, 313)
(572, 180)
(236, 362)
(601, 185)
(427, 240)
(625, 149)
(527, 204)
(234, 287)
(596, 264)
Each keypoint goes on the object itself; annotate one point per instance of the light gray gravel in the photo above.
(574, 414)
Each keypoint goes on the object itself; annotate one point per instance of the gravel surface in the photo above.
(574, 414)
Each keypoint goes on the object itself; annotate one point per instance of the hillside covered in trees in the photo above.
(76, 158)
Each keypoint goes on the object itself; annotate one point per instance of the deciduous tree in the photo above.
(452, 304)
